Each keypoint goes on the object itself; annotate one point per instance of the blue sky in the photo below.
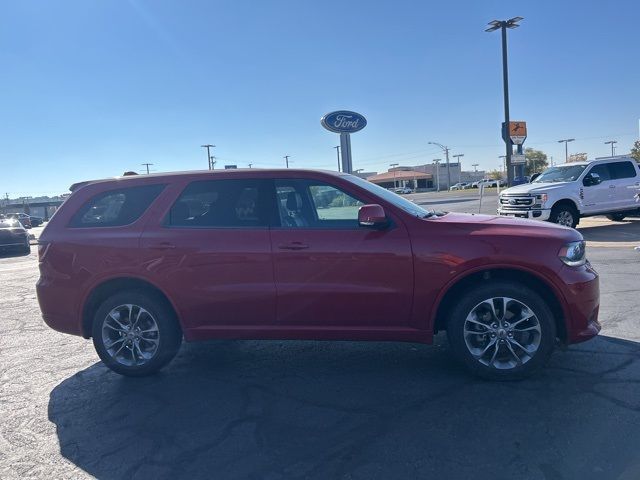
(91, 88)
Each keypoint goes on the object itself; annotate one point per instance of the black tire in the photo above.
(617, 217)
(168, 338)
(564, 214)
(26, 248)
(522, 295)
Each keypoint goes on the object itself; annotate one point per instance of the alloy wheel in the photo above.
(130, 335)
(565, 218)
(502, 333)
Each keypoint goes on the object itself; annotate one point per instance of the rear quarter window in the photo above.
(116, 208)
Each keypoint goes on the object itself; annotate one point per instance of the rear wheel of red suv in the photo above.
(135, 333)
(502, 331)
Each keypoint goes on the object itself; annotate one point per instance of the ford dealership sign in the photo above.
(343, 121)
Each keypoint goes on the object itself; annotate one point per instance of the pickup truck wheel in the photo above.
(135, 334)
(616, 217)
(564, 215)
(501, 331)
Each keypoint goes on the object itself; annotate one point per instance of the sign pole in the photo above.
(345, 147)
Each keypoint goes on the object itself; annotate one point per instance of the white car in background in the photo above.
(403, 190)
(565, 193)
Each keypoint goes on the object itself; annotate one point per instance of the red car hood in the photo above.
(505, 226)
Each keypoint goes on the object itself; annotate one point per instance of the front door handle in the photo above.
(612, 186)
(162, 246)
(293, 246)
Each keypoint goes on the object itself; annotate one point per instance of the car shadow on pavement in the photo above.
(270, 410)
(626, 231)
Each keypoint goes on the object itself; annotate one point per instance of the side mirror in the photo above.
(533, 177)
(591, 179)
(372, 216)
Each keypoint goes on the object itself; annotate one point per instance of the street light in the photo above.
(394, 173)
(437, 162)
(613, 146)
(459, 166)
(446, 156)
(566, 149)
(475, 167)
(503, 25)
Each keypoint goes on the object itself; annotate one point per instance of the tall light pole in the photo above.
(446, 156)
(286, 159)
(146, 165)
(503, 25)
(250, 165)
(437, 162)
(337, 147)
(613, 146)
(566, 149)
(475, 167)
(394, 173)
(504, 163)
(458, 156)
(208, 146)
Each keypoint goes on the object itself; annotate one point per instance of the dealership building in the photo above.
(425, 177)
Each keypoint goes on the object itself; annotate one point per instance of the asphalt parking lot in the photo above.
(275, 410)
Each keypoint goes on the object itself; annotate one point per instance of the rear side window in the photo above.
(116, 207)
(622, 170)
(233, 203)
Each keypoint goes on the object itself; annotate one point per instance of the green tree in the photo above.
(535, 161)
(635, 150)
(494, 174)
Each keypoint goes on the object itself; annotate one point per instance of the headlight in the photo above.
(573, 253)
(542, 198)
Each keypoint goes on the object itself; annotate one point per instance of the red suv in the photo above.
(140, 262)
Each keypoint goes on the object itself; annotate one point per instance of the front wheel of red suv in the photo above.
(501, 331)
(135, 333)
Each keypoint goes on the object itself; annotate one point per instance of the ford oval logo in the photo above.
(343, 121)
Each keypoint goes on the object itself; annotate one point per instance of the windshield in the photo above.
(400, 202)
(568, 173)
(8, 223)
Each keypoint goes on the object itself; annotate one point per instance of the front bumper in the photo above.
(582, 303)
(535, 214)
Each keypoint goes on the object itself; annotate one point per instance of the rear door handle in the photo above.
(612, 186)
(162, 246)
(293, 246)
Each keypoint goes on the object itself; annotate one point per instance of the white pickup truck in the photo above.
(565, 193)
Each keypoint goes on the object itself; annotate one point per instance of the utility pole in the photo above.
(459, 166)
(337, 147)
(503, 25)
(212, 162)
(437, 162)
(286, 159)
(566, 149)
(147, 165)
(446, 156)
(208, 146)
(613, 146)
(392, 165)
(504, 163)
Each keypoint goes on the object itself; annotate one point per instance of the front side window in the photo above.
(311, 204)
(116, 207)
(602, 171)
(232, 203)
